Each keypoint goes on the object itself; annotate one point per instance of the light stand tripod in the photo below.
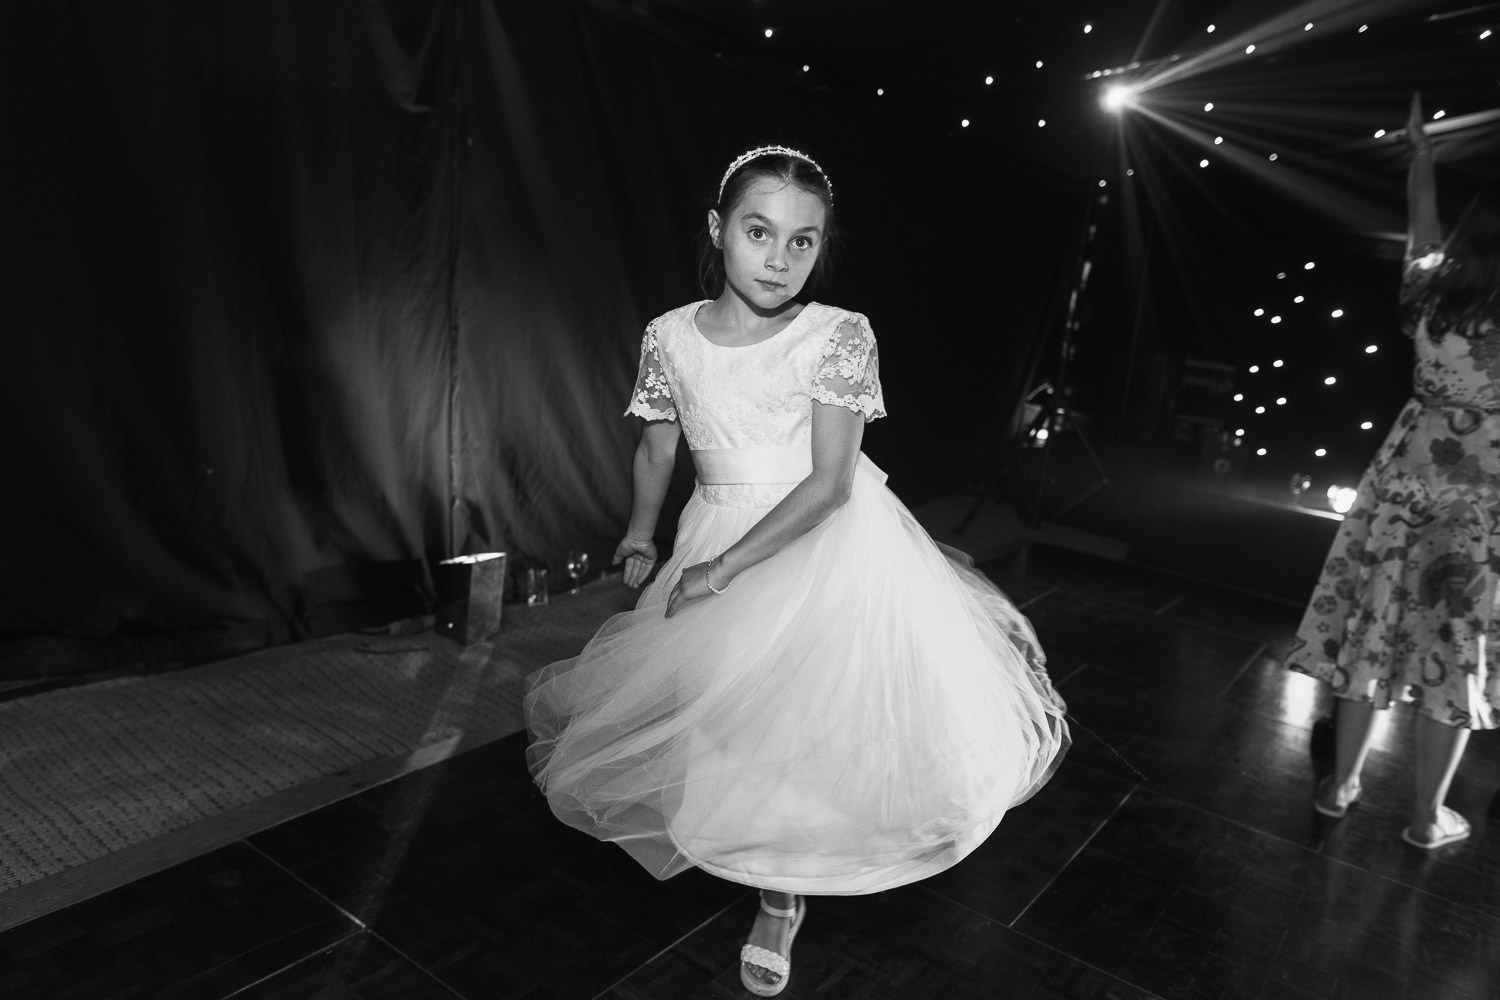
(1053, 417)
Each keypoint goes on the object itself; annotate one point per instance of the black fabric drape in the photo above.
(312, 296)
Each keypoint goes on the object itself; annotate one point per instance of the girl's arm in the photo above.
(836, 436)
(1423, 226)
(655, 457)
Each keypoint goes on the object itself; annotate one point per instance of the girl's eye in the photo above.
(756, 233)
(802, 243)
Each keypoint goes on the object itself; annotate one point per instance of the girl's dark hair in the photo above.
(776, 166)
(1466, 289)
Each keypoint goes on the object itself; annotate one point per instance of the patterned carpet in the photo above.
(105, 782)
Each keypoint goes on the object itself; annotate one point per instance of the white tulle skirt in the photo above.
(853, 714)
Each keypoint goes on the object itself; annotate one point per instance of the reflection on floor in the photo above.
(1175, 854)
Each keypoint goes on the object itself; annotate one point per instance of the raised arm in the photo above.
(655, 457)
(1423, 227)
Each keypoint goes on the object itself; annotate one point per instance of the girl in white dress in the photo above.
(811, 698)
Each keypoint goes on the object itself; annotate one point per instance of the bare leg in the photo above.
(1439, 749)
(1354, 727)
(770, 932)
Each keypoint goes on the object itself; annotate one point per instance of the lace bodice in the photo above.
(760, 395)
(1455, 368)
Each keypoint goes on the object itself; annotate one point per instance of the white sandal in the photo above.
(777, 962)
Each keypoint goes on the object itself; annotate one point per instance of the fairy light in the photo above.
(1249, 48)
(1260, 312)
(1337, 314)
(1330, 380)
(1367, 425)
(989, 80)
(1307, 26)
(1041, 123)
(770, 32)
(1239, 432)
(1341, 498)
(1254, 369)
(1321, 452)
(1380, 133)
(1202, 163)
(1280, 400)
(1273, 157)
(1218, 140)
(1372, 348)
(1087, 28)
(879, 91)
(1277, 364)
(1484, 34)
(1209, 106)
(1239, 397)
(1260, 409)
(1297, 300)
(1211, 29)
(1276, 319)
(1309, 265)
(1038, 64)
(964, 123)
(806, 67)
(1261, 452)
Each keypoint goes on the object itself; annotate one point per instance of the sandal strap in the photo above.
(754, 955)
(776, 911)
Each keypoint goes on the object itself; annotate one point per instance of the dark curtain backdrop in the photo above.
(309, 296)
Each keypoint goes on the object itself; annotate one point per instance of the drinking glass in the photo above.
(578, 567)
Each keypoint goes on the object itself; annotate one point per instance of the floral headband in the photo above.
(749, 155)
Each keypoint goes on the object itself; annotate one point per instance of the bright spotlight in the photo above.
(1117, 97)
(1341, 498)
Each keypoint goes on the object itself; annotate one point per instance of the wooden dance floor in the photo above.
(1175, 855)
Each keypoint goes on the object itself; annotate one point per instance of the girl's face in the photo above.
(770, 241)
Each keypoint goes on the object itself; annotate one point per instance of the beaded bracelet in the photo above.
(707, 569)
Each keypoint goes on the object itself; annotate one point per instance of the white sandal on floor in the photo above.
(772, 961)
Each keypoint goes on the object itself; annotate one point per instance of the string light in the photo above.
(1260, 312)
(1307, 26)
(1038, 64)
(879, 91)
(1087, 28)
(1218, 140)
(1297, 300)
(1254, 369)
(1309, 265)
(1210, 29)
(1239, 397)
(1280, 400)
(1272, 157)
(1260, 451)
(1371, 349)
(1330, 380)
(1202, 163)
(1041, 123)
(1319, 453)
(1337, 314)
(1276, 364)
(1249, 48)
(1240, 432)
(989, 80)
(805, 67)
(1367, 425)
(1260, 409)
(1363, 28)
(1439, 114)
(1380, 133)
(1484, 34)
(1276, 319)
(769, 32)
(1341, 498)
(1209, 106)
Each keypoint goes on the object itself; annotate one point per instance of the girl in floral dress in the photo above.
(1406, 609)
(812, 697)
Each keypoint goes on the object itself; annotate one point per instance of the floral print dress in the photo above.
(1405, 608)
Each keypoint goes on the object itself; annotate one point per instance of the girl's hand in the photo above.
(639, 558)
(691, 586)
(1415, 126)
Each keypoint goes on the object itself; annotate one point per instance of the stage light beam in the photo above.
(1117, 97)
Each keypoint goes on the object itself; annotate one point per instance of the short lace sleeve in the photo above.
(849, 371)
(652, 398)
